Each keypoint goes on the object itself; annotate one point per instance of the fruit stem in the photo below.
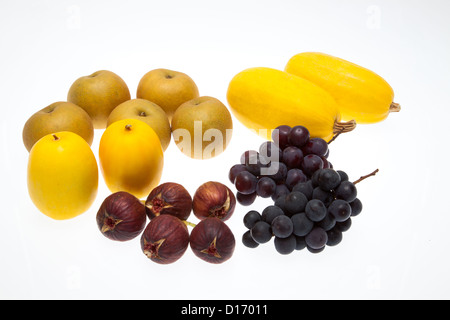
(128, 127)
(342, 127)
(366, 176)
(189, 224)
(336, 135)
(55, 137)
(395, 107)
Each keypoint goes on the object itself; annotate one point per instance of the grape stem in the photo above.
(366, 176)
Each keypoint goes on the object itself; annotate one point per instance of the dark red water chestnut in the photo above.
(212, 241)
(213, 199)
(165, 239)
(121, 217)
(169, 198)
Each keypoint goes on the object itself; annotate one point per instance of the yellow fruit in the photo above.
(62, 175)
(131, 157)
(264, 98)
(361, 94)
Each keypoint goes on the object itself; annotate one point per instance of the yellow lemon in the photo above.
(131, 157)
(62, 175)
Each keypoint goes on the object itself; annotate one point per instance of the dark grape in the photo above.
(248, 156)
(346, 191)
(269, 151)
(298, 136)
(248, 240)
(245, 182)
(251, 218)
(356, 206)
(285, 245)
(276, 170)
(315, 178)
(282, 226)
(343, 175)
(302, 225)
(327, 223)
(326, 164)
(295, 176)
(344, 225)
(270, 213)
(325, 196)
(281, 190)
(301, 243)
(311, 163)
(328, 179)
(235, 170)
(317, 238)
(315, 210)
(315, 250)
(280, 202)
(295, 202)
(306, 188)
(292, 157)
(261, 232)
(316, 146)
(265, 187)
(334, 237)
(280, 136)
(340, 210)
(246, 199)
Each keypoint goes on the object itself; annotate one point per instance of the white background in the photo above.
(397, 248)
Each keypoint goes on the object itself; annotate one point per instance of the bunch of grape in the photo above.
(291, 158)
(313, 215)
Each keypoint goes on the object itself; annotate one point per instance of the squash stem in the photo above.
(342, 127)
(395, 107)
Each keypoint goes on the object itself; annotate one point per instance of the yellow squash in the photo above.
(264, 98)
(361, 94)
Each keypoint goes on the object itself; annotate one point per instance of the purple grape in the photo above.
(302, 225)
(285, 245)
(248, 155)
(246, 182)
(311, 163)
(316, 146)
(356, 206)
(346, 191)
(235, 170)
(246, 199)
(334, 237)
(282, 226)
(295, 176)
(298, 136)
(280, 136)
(269, 151)
(292, 157)
(317, 238)
(281, 190)
(340, 210)
(277, 171)
(265, 187)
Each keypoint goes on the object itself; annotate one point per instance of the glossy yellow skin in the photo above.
(62, 175)
(265, 98)
(131, 157)
(361, 94)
